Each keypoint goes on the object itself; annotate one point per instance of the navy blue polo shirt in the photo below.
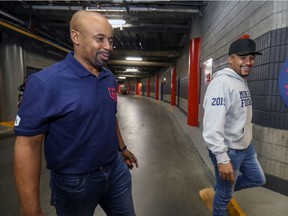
(76, 112)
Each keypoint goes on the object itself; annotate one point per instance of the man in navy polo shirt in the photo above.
(71, 106)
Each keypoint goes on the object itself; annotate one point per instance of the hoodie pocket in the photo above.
(244, 138)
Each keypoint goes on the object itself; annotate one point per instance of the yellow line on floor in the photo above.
(7, 124)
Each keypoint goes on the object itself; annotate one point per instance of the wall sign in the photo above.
(283, 82)
(207, 68)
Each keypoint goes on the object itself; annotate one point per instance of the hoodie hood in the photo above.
(229, 72)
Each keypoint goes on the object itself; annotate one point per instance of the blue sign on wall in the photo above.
(283, 82)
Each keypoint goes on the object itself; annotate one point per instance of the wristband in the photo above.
(122, 149)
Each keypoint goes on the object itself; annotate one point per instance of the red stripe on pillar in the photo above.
(173, 86)
(148, 87)
(193, 88)
(138, 88)
(119, 88)
(157, 88)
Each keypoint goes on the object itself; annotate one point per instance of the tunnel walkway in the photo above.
(170, 173)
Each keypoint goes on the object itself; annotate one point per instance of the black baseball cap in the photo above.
(243, 46)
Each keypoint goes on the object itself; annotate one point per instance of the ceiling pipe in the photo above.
(12, 17)
(140, 1)
(56, 7)
(31, 35)
(115, 9)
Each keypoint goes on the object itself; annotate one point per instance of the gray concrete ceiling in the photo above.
(157, 31)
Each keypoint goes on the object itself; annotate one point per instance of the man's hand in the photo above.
(129, 158)
(226, 172)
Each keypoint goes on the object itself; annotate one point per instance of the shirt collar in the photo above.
(80, 70)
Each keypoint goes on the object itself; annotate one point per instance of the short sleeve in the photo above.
(35, 110)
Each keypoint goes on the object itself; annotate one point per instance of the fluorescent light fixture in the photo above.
(116, 23)
(131, 70)
(158, 9)
(134, 59)
(106, 9)
(121, 77)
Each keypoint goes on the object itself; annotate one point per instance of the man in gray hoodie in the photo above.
(228, 129)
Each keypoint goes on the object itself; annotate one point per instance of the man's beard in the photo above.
(245, 75)
(101, 63)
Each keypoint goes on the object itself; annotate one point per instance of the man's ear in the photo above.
(74, 36)
(230, 59)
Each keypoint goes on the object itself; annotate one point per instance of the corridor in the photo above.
(171, 170)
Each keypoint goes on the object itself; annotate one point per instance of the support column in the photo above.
(193, 85)
(148, 87)
(128, 88)
(138, 88)
(12, 72)
(157, 88)
(119, 88)
(173, 87)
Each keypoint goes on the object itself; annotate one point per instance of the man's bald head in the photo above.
(92, 37)
(82, 18)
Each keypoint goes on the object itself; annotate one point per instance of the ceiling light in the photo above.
(134, 59)
(116, 23)
(121, 77)
(106, 9)
(131, 70)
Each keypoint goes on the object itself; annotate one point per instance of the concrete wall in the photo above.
(272, 145)
(166, 84)
(225, 21)
(18, 57)
(132, 86)
(152, 86)
(182, 68)
(38, 56)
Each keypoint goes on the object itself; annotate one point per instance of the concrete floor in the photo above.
(171, 170)
(169, 175)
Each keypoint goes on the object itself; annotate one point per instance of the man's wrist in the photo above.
(225, 162)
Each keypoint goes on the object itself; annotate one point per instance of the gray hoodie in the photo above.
(228, 114)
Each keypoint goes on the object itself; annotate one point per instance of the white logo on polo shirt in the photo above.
(17, 120)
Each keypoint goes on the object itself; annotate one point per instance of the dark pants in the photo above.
(78, 195)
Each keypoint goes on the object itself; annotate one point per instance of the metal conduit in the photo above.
(31, 35)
